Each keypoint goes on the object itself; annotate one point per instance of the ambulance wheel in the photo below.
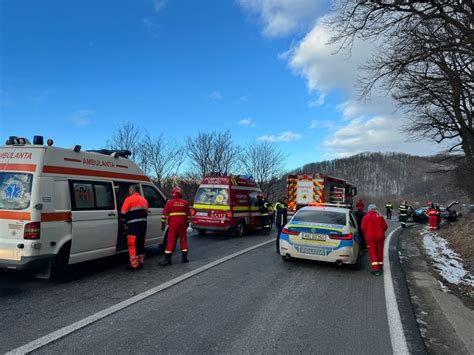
(60, 269)
(202, 231)
(286, 258)
(240, 229)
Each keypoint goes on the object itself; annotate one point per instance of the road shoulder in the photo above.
(445, 323)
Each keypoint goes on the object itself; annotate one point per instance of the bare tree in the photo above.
(213, 152)
(127, 137)
(425, 61)
(265, 163)
(162, 157)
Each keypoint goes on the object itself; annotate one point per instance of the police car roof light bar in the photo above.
(341, 205)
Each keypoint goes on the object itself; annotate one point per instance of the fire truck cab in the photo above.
(61, 206)
(311, 189)
(227, 204)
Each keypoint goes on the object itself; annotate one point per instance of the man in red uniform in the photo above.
(433, 215)
(176, 213)
(135, 211)
(360, 206)
(374, 227)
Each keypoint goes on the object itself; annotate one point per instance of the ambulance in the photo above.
(61, 206)
(226, 204)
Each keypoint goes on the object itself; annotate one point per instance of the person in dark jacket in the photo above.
(403, 213)
(281, 219)
(264, 207)
(389, 208)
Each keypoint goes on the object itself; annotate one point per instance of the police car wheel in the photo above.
(286, 258)
(358, 263)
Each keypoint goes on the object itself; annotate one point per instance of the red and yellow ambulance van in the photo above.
(227, 204)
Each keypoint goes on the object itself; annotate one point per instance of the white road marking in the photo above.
(397, 336)
(60, 333)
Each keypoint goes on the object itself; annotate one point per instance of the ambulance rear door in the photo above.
(94, 219)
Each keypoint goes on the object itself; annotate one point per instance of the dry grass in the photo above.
(460, 236)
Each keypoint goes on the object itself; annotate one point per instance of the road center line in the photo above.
(60, 333)
(397, 336)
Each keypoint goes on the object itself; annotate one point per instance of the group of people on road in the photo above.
(176, 215)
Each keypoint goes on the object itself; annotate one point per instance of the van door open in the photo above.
(94, 219)
(156, 203)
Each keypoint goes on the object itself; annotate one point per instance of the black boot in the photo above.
(184, 257)
(167, 260)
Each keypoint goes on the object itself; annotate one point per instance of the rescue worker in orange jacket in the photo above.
(176, 213)
(135, 211)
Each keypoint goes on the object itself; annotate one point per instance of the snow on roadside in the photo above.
(445, 260)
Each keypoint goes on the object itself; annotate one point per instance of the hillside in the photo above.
(393, 176)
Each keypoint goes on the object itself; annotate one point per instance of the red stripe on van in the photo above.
(17, 216)
(74, 160)
(18, 167)
(95, 173)
(121, 166)
(55, 216)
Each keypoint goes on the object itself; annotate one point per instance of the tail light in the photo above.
(228, 214)
(289, 231)
(341, 236)
(32, 230)
(193, 212)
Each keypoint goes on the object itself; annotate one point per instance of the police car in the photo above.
(325, 233)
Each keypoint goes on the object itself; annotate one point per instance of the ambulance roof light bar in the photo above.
(114, 153)
(14, 140)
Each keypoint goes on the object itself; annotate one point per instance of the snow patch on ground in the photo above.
(445, 260)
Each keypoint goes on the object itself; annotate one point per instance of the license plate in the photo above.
(201, 213)
(310, 236)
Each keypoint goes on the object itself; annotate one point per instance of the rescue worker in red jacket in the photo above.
(374, 227)
(135, 211)
(360, 206)
(433, 216)
(176, 213)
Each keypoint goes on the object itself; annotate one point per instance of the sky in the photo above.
(74, 71)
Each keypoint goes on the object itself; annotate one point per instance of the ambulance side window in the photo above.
(154, 198)
(91, 195)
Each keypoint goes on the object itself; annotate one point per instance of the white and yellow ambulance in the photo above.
(61, 206)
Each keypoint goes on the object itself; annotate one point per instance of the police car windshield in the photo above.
(319, 216)
(15, 190)
(212, 196)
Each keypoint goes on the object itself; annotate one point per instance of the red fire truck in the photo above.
(226, 203)
(309, 189)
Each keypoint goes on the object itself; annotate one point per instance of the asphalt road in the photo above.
(253, 303)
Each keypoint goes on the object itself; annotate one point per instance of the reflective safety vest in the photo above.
(135, 208)
(176, 211)
(403, 210)
(388, 206)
